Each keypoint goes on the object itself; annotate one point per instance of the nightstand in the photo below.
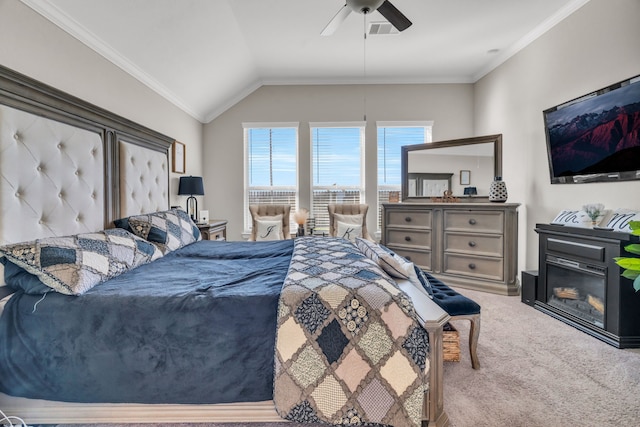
(216, 229)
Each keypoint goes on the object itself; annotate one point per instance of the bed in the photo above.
(94, 168)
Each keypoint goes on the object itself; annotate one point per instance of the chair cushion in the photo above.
(451, 301)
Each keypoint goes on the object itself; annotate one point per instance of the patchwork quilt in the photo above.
(349, 349)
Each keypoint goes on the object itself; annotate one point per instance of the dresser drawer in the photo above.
(420, 258)
(465, 265)
(409, 237)
(409, 218)
(477, 221)
(474, 244)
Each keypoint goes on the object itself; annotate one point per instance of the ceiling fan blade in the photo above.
(394, 16)
(336, 21)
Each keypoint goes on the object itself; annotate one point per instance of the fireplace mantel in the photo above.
(580, 283)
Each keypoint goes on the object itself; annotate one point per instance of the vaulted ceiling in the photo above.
(206, 55)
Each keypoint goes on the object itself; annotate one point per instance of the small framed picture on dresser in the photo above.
(178, 159)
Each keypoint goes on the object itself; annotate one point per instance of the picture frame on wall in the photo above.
(178, 157)
(465, 177)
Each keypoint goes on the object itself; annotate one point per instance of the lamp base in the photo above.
(192, 208)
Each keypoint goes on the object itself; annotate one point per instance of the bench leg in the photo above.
(474, 333)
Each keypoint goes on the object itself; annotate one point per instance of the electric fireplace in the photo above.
(577, 288)
(580, 284)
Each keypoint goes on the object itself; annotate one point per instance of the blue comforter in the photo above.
(196, 326)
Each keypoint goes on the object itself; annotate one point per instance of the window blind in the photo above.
(391, 137)
(336, 168)
(271, 168)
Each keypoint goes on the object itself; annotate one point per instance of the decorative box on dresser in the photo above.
(471, 245)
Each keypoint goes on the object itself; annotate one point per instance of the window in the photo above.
(392, 136)
(270, 165)
(336, 166)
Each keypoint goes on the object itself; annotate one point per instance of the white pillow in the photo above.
(392, 263)
(269, 228)
(349, 231)
(349, 219)
(389, 261)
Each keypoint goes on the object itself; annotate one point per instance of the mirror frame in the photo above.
(406, 149)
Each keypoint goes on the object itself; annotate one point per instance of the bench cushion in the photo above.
(451, 301)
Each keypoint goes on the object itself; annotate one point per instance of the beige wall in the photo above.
(593, 48)
(449, 106)
(31, 45)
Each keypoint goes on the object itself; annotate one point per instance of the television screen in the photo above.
(596, 137)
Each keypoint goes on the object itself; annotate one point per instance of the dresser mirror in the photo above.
(466, 167)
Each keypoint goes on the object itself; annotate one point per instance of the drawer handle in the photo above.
(407, 238)
(472, 221)
(472, 266)
(407, 219)
(472, 244)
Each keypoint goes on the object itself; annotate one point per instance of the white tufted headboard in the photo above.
(144, 186)
(52, 178)
(60, 164)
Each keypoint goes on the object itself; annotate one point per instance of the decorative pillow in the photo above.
(269, 228)
(389, 261)
(349, 231)
(392, 263)
(123, 223)
(357, 219)
(74, 264)
(22, 279)
(169, 230)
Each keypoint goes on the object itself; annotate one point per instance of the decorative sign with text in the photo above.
(573, 218)
(618, 219)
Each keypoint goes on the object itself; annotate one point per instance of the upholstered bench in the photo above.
(459, 307)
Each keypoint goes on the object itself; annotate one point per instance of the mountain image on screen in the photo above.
(600, 134)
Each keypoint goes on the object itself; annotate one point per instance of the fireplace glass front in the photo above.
(577, 289)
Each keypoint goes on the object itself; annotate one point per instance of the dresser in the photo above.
(471, 245)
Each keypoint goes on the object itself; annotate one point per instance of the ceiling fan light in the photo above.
(364, 6)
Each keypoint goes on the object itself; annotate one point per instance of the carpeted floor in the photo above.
(535, 371)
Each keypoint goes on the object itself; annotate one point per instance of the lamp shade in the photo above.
(470, 191)
(191, 185)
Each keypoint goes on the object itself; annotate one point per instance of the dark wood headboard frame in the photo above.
(24, 93)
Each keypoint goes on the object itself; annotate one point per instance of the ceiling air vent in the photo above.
(382, 28)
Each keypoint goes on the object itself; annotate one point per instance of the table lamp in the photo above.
(192, 186)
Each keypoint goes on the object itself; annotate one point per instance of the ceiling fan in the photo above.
(389, 11)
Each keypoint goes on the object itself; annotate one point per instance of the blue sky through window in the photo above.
(272, 157)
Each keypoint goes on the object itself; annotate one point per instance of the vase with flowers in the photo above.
(594, 211)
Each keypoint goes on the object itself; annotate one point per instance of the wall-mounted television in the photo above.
(596, 137)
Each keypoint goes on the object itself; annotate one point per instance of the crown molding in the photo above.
(51, 12)
(529, 38)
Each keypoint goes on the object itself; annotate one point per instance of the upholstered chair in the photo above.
(340, 211)
(261, 213)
